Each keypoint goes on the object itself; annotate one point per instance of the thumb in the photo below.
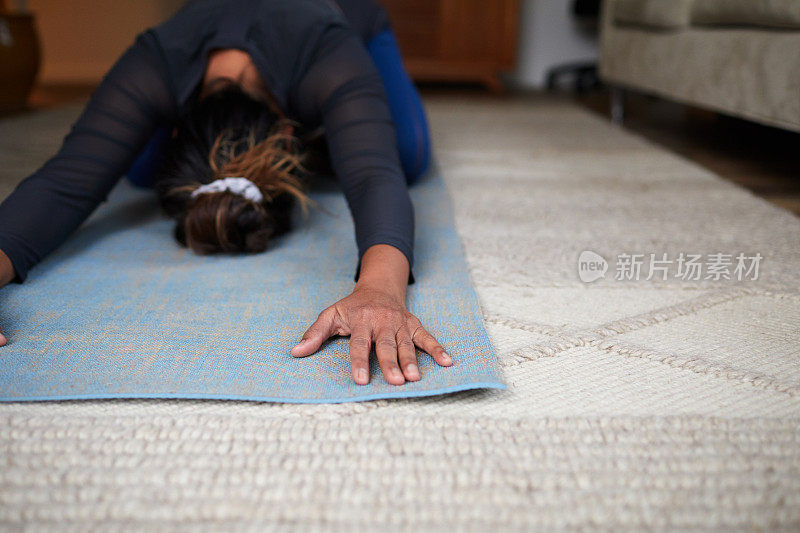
(315, 335)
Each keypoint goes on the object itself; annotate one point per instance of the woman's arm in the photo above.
(345, 89)
(384, 267)
(46, 207)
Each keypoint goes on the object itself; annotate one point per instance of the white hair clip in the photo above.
(241, 186)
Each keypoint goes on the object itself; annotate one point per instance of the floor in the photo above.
(670, 403)
(759, 158)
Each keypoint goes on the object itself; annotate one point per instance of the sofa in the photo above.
(738, 57)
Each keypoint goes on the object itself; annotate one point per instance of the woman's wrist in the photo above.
(384, 268)
(7, 272)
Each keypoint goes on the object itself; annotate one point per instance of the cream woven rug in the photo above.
(631, 404)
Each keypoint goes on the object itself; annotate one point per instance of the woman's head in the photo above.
(230, 134)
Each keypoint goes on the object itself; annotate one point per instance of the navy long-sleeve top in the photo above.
(312, 58)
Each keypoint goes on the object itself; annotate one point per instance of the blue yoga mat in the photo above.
(120, 310)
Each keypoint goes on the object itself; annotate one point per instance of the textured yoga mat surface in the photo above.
(122, 311)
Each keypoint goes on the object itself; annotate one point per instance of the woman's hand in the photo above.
(376, 313)
(373, 315)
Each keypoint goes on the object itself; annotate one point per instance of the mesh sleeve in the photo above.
(120, 117)
(366, 17)
(343, 90)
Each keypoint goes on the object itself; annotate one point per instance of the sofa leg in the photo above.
(617, 105)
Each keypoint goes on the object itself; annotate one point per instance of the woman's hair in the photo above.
(230, 134)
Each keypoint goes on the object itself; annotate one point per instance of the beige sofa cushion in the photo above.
(664, 14)
(746, 72)
(772, 13)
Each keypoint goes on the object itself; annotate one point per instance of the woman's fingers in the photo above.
(360, 344)
(395, 343)
(3, 340)
(316, 334)
(407, 355)
(428, 343)
(386, 349)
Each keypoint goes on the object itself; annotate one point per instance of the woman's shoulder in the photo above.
(214, 12)
(280, 35)
(285, 38)
(367, 17)
(259, 22)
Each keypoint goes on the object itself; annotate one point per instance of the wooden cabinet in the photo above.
(456, 40)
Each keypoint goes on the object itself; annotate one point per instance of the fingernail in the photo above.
(412, 369)
(363, 375)
(446, 358)
(300, 345)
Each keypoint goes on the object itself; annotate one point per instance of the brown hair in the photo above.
(258, 146)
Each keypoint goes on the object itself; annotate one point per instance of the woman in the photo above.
(216, 92)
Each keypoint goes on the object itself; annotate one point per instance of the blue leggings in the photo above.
(411, 126)
(413, 140)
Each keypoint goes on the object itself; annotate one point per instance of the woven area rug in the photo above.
(121, 310)
(658, 404)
